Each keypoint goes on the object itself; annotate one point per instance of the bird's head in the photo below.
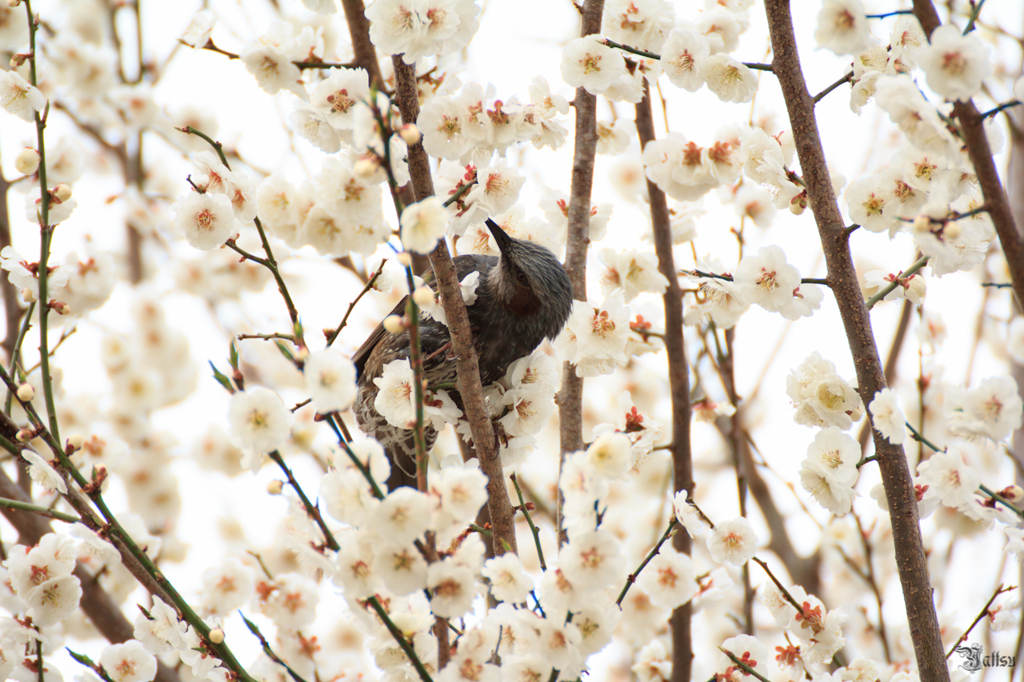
(530, 283)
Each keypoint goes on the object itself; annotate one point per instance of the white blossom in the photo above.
(258, 420)
(402, 516)
(887, 417)
(955, 64)
(423, 224)
(128, 662)
(330, 380)
(43, 473)
(592, 559)
(590, 64)
(669, 578)
(952, 480)
(833, 494)
(395, 400)
(732, 541)
(609, 455)
(205, 220)
(731, 80)
(20, 98)
(199, 30)
(767, 279)
(227, 587)
(452, 588)
(843, 27)
(684, 56)
(508, 582)
(992, 410)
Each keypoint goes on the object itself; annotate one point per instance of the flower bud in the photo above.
(76, 441)
(275, 487)
(27, 161)
(28, 295)
(915, 288)
(13, 3)
(61, 193)
(18, 59)
(25, 435)
(1012, 493)
(405, 258)
(394, 324)
(365, 167)
(922, 223)
(301, 354)
(423, 296)
(383, 283)
(409, 133)
(951, 230)
(60, 307)
(216, 635)
(26, 393)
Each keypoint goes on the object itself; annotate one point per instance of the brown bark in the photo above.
(359, 33)
(484, 441)
(570, 397)
(679, 385)
(96, 603)
(896, 478)
(996, 201)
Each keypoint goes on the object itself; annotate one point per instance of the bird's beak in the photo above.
(503, 240)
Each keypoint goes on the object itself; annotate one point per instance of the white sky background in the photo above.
(517, 40)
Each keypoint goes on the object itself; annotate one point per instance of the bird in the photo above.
(524, 296)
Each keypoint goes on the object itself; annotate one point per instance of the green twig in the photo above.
(888, 288)
(311, 510)
(269, 262)
(36, 509)
(267, 650)
(529, 521)
(344, 320)
(631, 578)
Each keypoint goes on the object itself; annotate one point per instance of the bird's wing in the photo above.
(360, 356)
(464, 265)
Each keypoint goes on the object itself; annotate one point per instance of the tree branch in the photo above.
(903, 512)
(470, 389)
(679, 384)
(570, 398)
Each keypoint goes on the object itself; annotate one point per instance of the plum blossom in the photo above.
(822, 397)
(731, 80)
(835, 496)
(992, 410)
(733, 541)
(767, 279)
(206, 220)
(843, 27)
(330, 380)
(128, 662)
(452, 588)
(684, 56)
(951, 479)
(592, 65)
(423, 224)
(258, 420)
(887, 417)
(955, 64)
(43, 473)
(593, 559)
(20, 98)
(669, 578)
(508, 582)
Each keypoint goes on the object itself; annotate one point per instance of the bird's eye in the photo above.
(521, 276)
